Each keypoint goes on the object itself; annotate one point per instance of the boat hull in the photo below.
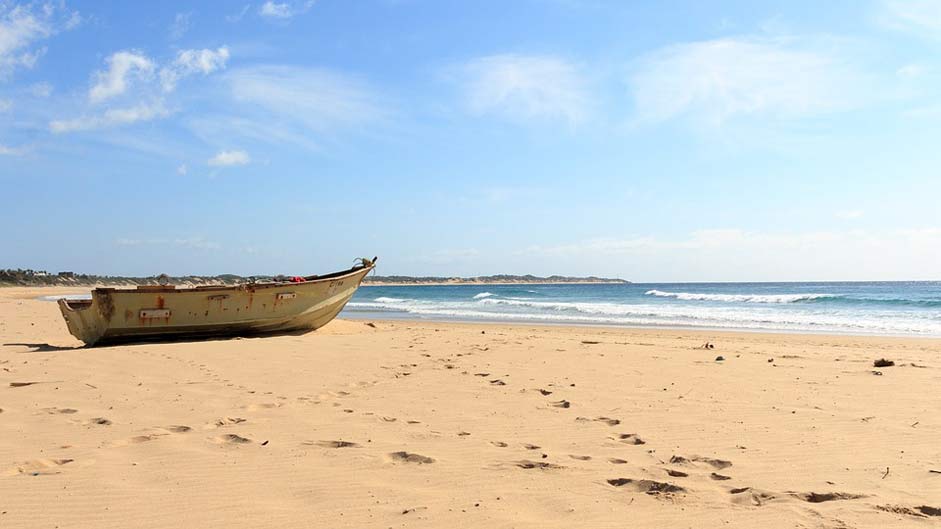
(164, 313)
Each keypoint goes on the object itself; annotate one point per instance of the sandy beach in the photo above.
(416, 424)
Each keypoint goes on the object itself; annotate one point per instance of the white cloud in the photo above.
(114, 81)
(5, 105)
(718, 80)
(189, 62)
(849, 214)
(285, 9)
(22, 26)
(229, 158)
(125, 66)
(524, 87)
(11, 151)
(918, 16)
(182, 170)
(181, 24)
(112, 117)
(41, 89)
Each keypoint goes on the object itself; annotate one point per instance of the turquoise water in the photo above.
(894, 308)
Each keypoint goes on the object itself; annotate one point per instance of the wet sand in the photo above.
(406, 424)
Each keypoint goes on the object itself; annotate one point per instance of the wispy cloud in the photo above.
(236, 17)
(290, 104)
(524, 87)
(715, 81)
(189, 62)
(229, 158)
(123, 67)
(284, 10)
(41, 89)
(11, 151)
(23, 26)
(321, 99)
(181, 24)
(197, 243)
(5, 105)
(112, 117)
(922, 17)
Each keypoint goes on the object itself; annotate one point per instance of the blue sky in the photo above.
(655, 141)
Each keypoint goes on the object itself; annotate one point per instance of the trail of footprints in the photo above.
(693, 467)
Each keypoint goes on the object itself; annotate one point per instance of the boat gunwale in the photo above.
(343, 274)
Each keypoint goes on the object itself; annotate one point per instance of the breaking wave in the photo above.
(741, 298)
(483, 295)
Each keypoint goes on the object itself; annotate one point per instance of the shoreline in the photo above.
(354, 317)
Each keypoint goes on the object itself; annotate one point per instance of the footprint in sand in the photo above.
(922, 511)
(225, 421)
(817, 497)
(336, 444)
(531, 447)
(750, 496)
(719, 477)
(99, 421)
(64, 411)
(388, 419)
(718, 464)
(647, 486)
(561, 404)
(617, 461)
(497, 382)
(231, 439)
(608, 421)
(541, 465)
(407, 457)
(262, 406)
(545, 392)
(580, 458)
(38, 467)
(499, 444)
(178, 428)
(675, 473)
(631, 439)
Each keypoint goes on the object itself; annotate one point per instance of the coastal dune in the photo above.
(422, 424)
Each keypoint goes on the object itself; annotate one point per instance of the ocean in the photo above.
(884, 308)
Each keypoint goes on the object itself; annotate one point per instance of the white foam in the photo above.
(64, 296)
(483, 295)
(768, 317)
(739, 298)
(383, 299)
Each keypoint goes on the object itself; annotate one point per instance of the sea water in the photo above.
(890, 308)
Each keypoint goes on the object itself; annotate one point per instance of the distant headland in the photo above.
(27, 277)
(500, 279)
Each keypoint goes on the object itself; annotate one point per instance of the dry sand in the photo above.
(447, 425)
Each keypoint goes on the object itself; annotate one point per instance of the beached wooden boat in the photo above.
(297, 304)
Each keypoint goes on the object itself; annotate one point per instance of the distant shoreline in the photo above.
(486, 283)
